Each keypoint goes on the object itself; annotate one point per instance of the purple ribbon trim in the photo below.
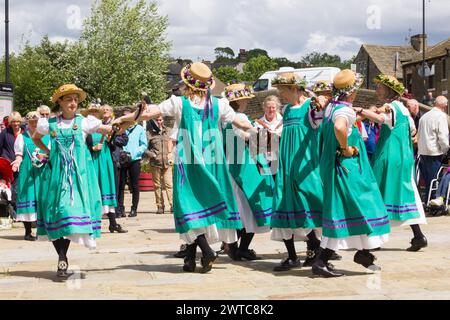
(270, 209)
(275, 216)
(403, 206)
(66, 225)
(353, 225)
(66, 218)
(341, 102)
(402, 211)
(181, 172)
(199, 217)
(300, 211)
(202, 211)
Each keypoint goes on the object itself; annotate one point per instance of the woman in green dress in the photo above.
(104, 169)
(354, 215)
(205, 210)
(298, 199)
(393, 161)
(29, 163)
(253, 190)
(72, 210)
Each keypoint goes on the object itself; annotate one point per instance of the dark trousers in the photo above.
(132, 172)
(429, 168)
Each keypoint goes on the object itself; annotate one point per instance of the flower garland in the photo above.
(391, 83)
(359, 80)
(321, 86)
(246, 92)
(297, 81)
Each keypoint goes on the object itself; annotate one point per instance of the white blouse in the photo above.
(348, 114)
(404, 111)
(89, 125)
(19, 145)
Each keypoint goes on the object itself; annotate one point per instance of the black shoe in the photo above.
(189, 265)
(118, 228)
(223, 248)
(208, 261)
(319, 268)
(231, 251)
(29, 237)
(63, 265)
(336, 257)
(247, 254)
(288, 264)
(417, 244)
(310, 257)
(133, 213)
(366, 260)
(182, 253)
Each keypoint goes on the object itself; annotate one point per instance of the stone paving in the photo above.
(139, 265)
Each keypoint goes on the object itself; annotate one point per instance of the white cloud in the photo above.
(285, 28)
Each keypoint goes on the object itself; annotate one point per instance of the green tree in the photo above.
(37, 71)
(227, 74)
(124, 51)
(256, 67)
(254, 53)
(225, 52)
(316, 59)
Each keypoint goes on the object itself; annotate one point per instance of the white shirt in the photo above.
(89, 125)
(404, 111)
(347, 113)
(276, 125)
(433, 139)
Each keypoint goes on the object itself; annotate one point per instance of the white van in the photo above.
(310, 74)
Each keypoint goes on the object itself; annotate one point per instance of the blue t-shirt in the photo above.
(372, 132)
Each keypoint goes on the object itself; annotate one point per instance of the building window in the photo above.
(444, 69)
(431, 82)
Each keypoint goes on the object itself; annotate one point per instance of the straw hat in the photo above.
(238, 91)
(289, 79)
(391, 82)
(198, 76)
(93, 111)
(347, 82)
(322, 87)
(68, 89)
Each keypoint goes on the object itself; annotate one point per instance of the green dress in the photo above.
(393, 165)
(298, 198)
(69, 199)
(352, 201)
(257, 188)
(202, 192)
(104, 169)
(28, 181)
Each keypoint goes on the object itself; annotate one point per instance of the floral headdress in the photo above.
(390, 82)
(290, 79)
(238, 92)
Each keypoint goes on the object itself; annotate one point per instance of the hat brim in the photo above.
(186, 82)
(242, 98)
(81, 94)
(93, 112)
(386, 85)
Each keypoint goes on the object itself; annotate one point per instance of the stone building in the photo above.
(438, 61)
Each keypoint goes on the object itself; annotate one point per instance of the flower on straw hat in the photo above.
(238, 91)
(68, 89)
(322, 86)
(198, 76)
(346, 82)
(289, 79)
(390, 82)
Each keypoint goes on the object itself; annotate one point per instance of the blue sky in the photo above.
(289, 28)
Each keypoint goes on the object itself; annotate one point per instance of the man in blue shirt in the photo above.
(136, 146)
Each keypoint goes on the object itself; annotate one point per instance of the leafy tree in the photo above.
(124, 51)
(256, 67)
(254, 53)
(227, 74)
(225, 52)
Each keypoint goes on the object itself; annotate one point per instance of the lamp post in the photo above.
(6, 41)
(425, 91)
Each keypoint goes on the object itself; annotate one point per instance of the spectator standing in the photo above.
(44, 111)
(161, 161)
(136, 146)
(433, 140)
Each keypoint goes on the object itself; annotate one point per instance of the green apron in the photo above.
(104, 169)
(298, 197)
(257, 188)
(353, 204)
(202, 191)
(393, 167)
(69, 199)
(29, 178)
